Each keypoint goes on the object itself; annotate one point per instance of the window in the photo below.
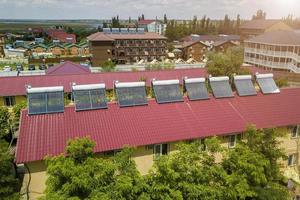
(295, 131)
(160, 149)
(292, 159)
(9, 101)
(232, 140)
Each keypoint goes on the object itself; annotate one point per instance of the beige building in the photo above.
(155, 129)
(275, 49)
(259, 26)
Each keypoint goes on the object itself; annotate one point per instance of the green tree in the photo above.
(81, 175)
(226, 64)
(8, 182)
(4, 122)
(108, 66)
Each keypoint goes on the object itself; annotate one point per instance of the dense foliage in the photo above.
(8, 182)
(226, 64)
(108, 66)
(196, 171)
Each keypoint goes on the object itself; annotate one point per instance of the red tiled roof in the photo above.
(67, 68)
(61, 35)
(112, 128)
(259, 24)
(14, 86)
(146, 21)
(100, 36)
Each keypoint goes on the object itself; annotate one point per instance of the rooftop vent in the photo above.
(43, 100)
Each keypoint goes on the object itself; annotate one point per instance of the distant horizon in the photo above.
(174, 9)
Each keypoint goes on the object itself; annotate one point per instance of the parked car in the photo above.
(42, 67)
(50, 65)
(20, 68)
(31, 67)
(7, 69)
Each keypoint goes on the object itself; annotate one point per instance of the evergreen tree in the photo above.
(238, 23)
(165, 19)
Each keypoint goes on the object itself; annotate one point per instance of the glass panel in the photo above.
(98, 98)
(245, 87)
(267, 85)
(131, 96)
(37, 103)
(55, 102)
(221, 89)
(196, 91)
(157, 150)
(82, 100)
(167, 93)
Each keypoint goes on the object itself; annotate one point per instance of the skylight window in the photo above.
(196, 88)
(221, 87)
(45, 100)
(267, 83)
(131, 93)
(244, 85)
(88, 97)
(167, 91)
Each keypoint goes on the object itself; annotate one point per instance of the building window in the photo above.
(160, 149)
(292, 159)
(232, 139)
(9, 101)
(295, 131)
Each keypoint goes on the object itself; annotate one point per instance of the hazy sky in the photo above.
(179, 9)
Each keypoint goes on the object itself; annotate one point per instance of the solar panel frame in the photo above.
(159, 88)
(220, 87)
(89, 97)
(244, 85)
(131, 94)
(45, 100)
(267, 84)
(196, 88)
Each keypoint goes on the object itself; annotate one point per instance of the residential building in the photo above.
(61, 35)
(72, 49)
(192, 49)
(155, 129)
(222, 46)
(196, 46)
(38, 49)
(259, 26)
(275, 49)
(153, 26)
(126, 46)
(57, 49)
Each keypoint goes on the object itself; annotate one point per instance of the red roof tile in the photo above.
(14, 86)
(146, 21)
(112, 128)
(68, 68)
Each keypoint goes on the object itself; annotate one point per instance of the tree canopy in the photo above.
(226, 64)
(196, 170)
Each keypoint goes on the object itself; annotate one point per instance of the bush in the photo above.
(108, 66)
(282, 82)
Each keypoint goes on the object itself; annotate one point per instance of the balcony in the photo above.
(285, 54)
(276, 65)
